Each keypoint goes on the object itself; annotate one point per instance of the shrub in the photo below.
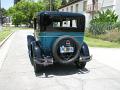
(117, 25)
(103, 22)
(112, 36)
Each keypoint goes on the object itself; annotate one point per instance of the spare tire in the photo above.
(70, 47)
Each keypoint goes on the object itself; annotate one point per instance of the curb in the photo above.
(5, 39)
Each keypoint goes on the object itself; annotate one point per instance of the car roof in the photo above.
(60, 14)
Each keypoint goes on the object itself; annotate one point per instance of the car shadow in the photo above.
(60, 70)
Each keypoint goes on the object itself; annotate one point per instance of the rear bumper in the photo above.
(85, 59)
(45, 62)
(49, 60)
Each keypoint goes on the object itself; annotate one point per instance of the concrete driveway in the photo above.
(16, 71)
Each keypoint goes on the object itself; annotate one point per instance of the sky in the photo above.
(7, 3)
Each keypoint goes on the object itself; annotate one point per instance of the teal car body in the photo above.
(58, 37)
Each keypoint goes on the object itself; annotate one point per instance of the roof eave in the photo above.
(74, 1)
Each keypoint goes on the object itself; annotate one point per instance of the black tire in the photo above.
(36, 55)
(84, 52)
(56, 54)
(80, 65)
(37, 68)
(30, 39)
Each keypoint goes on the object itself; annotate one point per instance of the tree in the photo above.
(3, 12)
(51, 4)
(57, 4)
(18, 18)
(64, 2)
(23, 12)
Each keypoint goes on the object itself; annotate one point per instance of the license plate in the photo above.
(66, 49)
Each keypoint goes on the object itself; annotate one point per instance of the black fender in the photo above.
(36, 56)
(84, 50)
(30, 39)
(36, 51)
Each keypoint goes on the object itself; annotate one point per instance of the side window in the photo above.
(35, 23)
(37, 26)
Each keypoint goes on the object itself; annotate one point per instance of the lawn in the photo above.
(100, 43)
(92, 42)
(4, 34)
(8, 30)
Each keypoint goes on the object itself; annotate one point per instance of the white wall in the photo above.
(80, 10)
(105, 4)
(80, 7)
(117, 8)
(113, 5)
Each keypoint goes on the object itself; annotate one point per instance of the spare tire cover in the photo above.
(70, 47)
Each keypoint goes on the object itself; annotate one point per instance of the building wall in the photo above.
(106, 3)
(117, 8)
(113, 5)
(76, 8)
(69, 8)
(103, 4)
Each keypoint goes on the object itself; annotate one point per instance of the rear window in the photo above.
(65, 23)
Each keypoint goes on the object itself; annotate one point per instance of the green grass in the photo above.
(100, 43)
(92, 42)
(4, 34)
(21, 28)
(8, 30)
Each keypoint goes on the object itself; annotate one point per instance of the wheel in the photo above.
(61, 45)
(36, 55)
(37, 67)
(84, 52)
(80, 65)
(30, 39)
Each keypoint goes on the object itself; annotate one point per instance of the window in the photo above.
(71, 8)
(67, 9)
(77, 7)
(66, 23)
(84, 5)
(74, 23)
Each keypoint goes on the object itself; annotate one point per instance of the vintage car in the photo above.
(58, 38)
